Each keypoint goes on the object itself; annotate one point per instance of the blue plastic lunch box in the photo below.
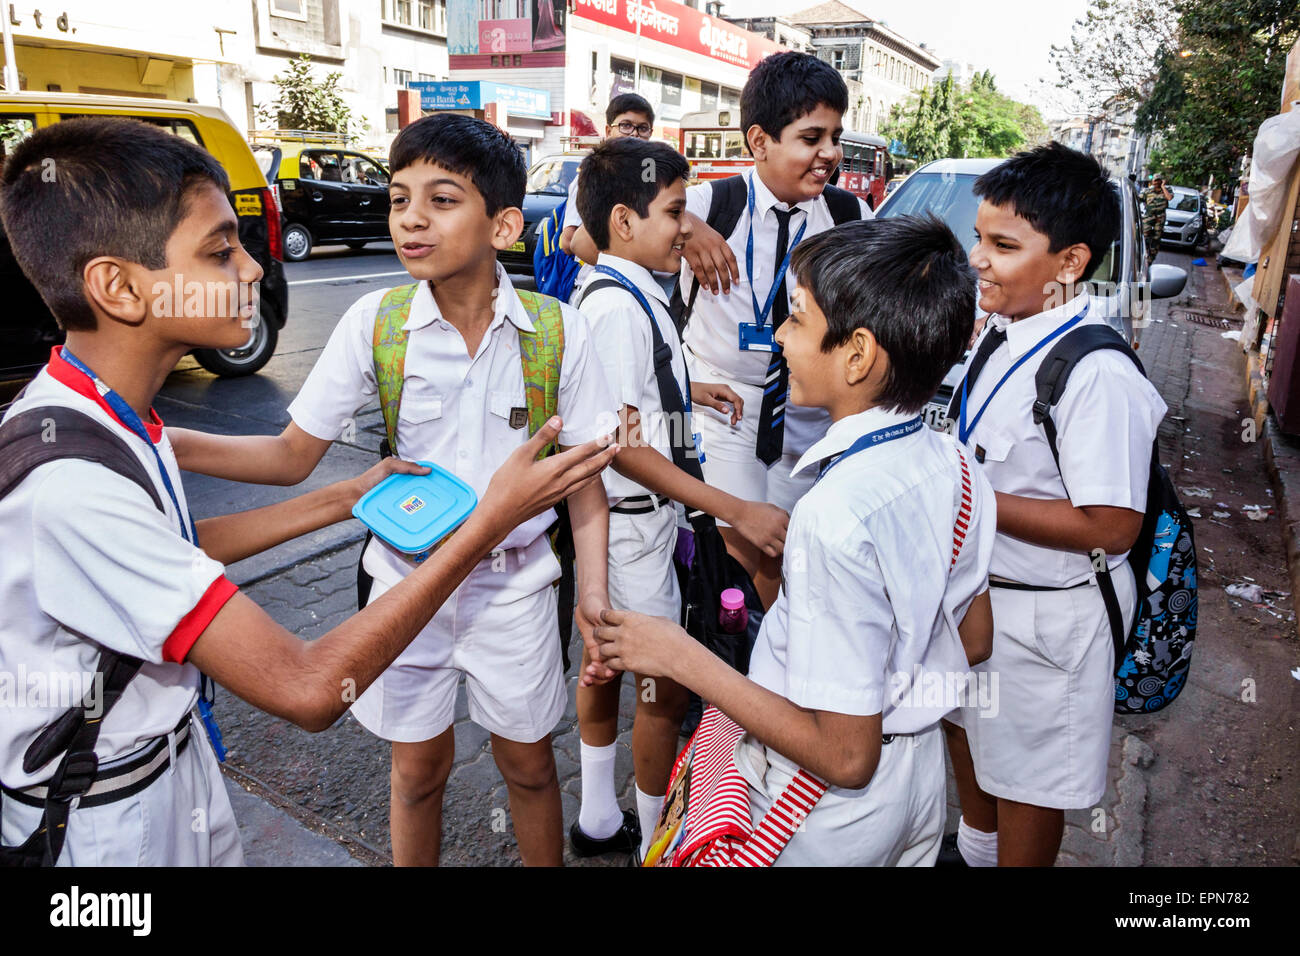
(412, 513)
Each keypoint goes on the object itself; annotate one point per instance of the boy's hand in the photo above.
(763, 526)
(710, 258)
(652, 646)
(523, 486)
(719, 397)
(388, 466)
(588, 616)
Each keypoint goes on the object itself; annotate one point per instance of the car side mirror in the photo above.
(1166, 281)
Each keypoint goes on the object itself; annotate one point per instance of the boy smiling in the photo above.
(457, 186)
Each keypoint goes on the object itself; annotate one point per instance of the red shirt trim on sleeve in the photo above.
(177, 646)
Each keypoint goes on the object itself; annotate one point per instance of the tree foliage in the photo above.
(950, 120)
(1111, 61)
(1217, 84)
(305, 102)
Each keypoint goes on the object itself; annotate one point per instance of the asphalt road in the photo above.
(320, 291)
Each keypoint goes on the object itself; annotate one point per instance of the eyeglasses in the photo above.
(627, 128)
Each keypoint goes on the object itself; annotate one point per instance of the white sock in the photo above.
(977, 848)
(647, 810)
(599, 815)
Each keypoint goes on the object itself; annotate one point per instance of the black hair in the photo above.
(907, 281)
(624, 170)
(1063, 193)
(96, 186)
(785, 86)
(467, 147)
(629, 103)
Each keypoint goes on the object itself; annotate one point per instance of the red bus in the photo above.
(715, 147)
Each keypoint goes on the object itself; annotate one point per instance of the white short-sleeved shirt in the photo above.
(620, 333)
(869, 606)
(456, 408)
(1105, 425)
(90, 562)
(571, 215)
(713, 332)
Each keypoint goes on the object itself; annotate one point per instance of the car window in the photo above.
(172, 124)
(320, 165)
(265, 157)
(552, 177)
(1186, 202)
(948, 196)
(13, 130)
(362, 171)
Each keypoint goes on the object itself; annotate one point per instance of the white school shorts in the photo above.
(181, 819)
(1049, 742)
(896, 820)
(641, 573)
(729, 450)
(498, 630)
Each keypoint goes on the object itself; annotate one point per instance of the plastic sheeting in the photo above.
(1276, 147)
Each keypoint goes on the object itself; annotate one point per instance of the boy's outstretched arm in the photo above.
(1057, 523)
(762, 524)
(313, 683)
(233, 537)
(710, 258)
(842, 749)
(589, 518)
(283, 459)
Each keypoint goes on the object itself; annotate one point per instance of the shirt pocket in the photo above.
(505, 405)
(993, 446)
(416, 409)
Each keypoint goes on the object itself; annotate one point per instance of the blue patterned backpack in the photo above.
(1152, 659)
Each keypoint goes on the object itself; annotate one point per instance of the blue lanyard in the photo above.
(132, 421)
(761, 314)
(637, 294)
(872, 439)
(964, 430)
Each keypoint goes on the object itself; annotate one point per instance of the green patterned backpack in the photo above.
(541, 353)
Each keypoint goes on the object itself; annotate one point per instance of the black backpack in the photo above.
(727, 200)
(27, 441)
(1152, 659)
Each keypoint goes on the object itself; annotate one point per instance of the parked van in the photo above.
(28, 330)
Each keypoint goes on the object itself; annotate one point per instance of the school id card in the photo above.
(757, 338)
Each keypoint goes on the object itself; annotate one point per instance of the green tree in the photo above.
(1215, 86)
(949, 120)
(1112, 57)
(305, 102)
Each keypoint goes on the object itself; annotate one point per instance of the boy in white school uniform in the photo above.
(791, 110)
(886, 560)
(457, 186)
(633, 200)
(1046, 220)
(93, 565)
(627, 115)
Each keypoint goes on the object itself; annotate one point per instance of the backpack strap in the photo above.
(1049, 385)
(28, 440)
(388, 350)
(727, 200)
(542, 354)
(843, 205)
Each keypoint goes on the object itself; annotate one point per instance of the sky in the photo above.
(1010, 37)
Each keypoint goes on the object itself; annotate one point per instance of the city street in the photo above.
(1204, 782)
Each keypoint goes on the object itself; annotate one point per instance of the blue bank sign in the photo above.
(475, 94)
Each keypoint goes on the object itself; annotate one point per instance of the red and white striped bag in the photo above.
(706, 819)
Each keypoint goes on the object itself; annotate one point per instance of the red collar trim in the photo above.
(63, 372)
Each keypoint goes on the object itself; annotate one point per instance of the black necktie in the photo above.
(988, 345)
(776, 384)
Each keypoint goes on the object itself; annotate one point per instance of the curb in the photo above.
(1131, 810)
(1282, 459)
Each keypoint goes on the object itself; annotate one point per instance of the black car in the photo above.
(548, 186)
(328, 195)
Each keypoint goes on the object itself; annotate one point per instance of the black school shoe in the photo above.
(949, 855)
(626, 839)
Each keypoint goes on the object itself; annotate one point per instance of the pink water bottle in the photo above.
(734, 617)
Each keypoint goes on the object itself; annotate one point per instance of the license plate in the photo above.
(518, 246)
(936, 416)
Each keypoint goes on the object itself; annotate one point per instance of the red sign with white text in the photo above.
(678, 25)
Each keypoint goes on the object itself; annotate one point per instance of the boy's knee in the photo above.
(528, 768)
(659, 699)
(420, 775)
